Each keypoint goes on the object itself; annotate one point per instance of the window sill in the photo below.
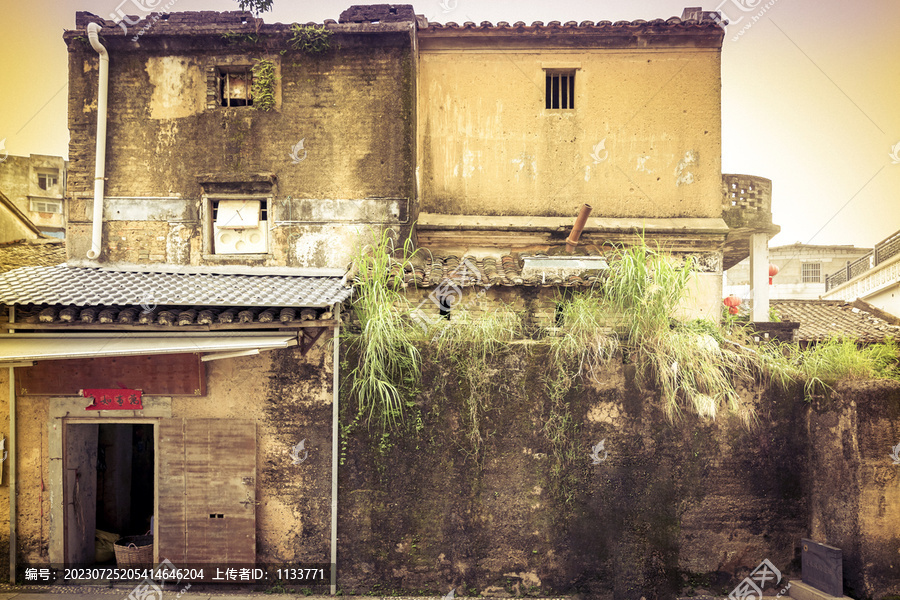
(229, 257)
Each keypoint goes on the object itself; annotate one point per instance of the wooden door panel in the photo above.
(80, 492)
(208, 485)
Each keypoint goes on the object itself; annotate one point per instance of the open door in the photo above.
(80, 492)
(207, 491)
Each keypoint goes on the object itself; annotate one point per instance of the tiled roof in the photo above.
(82, 286)
(671, 23)
(822, 319)
(173, 316)
(31, 253)
(428, 270)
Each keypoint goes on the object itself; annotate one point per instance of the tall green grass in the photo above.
(386, 355)
(633, 309)
(841, 359)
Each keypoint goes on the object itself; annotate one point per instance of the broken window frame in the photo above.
(209, 209)
(224, 75)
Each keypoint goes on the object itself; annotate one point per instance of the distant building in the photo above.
(36, 185)
(801, 270)
(873, 277)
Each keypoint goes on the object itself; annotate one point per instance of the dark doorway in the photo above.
(110, 477)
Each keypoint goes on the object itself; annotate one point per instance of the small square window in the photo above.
(811, 272)
(47, 180)
(560, 90)
(234, 86)
(238, 226)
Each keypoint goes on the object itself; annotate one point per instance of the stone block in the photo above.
(803, 591)
(822, 567)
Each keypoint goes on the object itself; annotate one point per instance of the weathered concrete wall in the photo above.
(854, 483)
(288, 395)
(19, 182)
(32, 489)
(644, 138)
(695, 504)
(340, 137)
(13, 228)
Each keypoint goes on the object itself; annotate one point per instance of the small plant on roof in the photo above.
(312, 39)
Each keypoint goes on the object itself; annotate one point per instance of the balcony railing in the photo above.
(883, 250)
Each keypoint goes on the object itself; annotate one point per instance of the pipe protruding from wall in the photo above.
(572, 241)
(93, 31)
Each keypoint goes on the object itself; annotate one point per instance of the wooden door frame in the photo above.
(68, 410)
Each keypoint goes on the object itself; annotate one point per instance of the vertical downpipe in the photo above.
(11, 459)
(334, 447)
(93, 31)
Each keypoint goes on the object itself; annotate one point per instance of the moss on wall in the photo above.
(424, 510)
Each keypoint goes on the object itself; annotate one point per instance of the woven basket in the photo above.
(134, 551)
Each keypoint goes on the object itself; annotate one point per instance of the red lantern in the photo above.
(773, 271)
(732, 302)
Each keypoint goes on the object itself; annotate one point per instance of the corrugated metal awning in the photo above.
(17, 348)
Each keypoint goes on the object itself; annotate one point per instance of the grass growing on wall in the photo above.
(470, 342)
(633, 309)
(387, 356)
(841, 359)
(310, 38)
(694, 366)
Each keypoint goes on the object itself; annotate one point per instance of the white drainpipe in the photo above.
(93, 31)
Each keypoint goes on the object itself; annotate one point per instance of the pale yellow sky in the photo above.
(810, 92)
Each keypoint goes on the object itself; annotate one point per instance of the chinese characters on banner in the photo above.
(114, 399)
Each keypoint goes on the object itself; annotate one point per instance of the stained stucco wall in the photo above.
(289, 397)
(345, 115)
(855, 493)
(696, 504)
(18, 181)
(644, 138)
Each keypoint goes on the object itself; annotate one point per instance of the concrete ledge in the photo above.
(802, 591)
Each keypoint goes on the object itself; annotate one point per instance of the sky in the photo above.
(810, 91)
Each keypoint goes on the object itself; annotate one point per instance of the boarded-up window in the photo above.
(207, 491)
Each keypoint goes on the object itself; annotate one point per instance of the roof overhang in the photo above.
(16, 349)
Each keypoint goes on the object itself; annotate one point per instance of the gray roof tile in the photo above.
(84, 286)
(822, 319)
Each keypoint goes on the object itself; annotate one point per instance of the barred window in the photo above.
(811, 272)
(234, 85)
(560, 91)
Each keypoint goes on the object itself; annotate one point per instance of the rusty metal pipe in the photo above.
(572, 241)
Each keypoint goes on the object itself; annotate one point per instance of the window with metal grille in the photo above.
(560, 89)
(811, 272)
(234, 85)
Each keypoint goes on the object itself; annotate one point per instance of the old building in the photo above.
(801, 270)
(519, 126)
(223, 174)
(873, 277)
(36, 184)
